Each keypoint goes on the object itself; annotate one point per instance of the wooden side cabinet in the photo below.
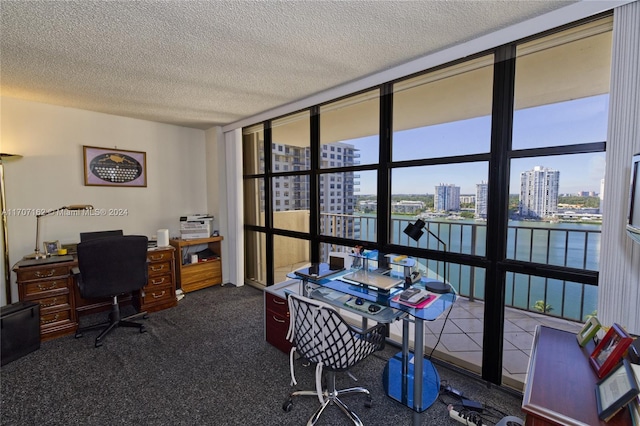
(50, 285)
(192, 276)
(160, 291)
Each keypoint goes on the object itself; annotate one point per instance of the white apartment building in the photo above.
(482, 192)
(539, 192)
(406, 206)
(446, 198)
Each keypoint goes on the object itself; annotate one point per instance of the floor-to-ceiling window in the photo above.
(500, 154)
(440, 159)
(557, 164)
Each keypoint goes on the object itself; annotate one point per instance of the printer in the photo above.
(195, 226)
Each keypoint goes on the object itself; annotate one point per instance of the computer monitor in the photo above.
(87, 236)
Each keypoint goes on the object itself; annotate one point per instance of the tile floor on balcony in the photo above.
(461, 340)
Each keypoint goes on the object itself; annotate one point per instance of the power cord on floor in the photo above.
(467, 411)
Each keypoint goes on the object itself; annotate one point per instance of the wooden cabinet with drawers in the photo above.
(50, 285)
(160, 291)
(53, 287)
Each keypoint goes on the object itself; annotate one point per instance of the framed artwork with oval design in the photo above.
(114, 167)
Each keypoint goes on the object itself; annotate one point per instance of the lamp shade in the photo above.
(414, 230)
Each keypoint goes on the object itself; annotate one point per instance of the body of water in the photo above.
(572, 245)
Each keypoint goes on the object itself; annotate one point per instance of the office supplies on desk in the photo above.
(363, 305)
(46, 260)
(383, 282)
(415, 298)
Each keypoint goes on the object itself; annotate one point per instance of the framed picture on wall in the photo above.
(114, 167)
(610, 350)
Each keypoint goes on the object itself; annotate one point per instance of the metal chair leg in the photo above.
(330, 395)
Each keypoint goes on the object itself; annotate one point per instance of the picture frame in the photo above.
(616, 390)
(114, 167)
(588, 331)
(51, 247)
(610, 350)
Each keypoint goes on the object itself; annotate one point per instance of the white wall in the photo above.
(619, 284)
(217, 200)
(50, 174)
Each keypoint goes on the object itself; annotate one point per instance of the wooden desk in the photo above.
(53, 287)
(560, 385)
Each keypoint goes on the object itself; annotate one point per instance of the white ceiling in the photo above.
(205, 63)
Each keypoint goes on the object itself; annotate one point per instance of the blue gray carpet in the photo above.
(204, 362)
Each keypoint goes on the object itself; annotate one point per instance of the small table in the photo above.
(401, 372)
(560, 387)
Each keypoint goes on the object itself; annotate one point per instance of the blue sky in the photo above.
(571, 122)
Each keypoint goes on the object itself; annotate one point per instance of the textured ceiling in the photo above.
(206, 63)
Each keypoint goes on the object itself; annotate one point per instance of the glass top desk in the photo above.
(401, 372)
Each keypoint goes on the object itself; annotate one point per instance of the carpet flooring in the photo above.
(204, 362)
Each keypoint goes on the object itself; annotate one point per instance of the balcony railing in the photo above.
(552, 244)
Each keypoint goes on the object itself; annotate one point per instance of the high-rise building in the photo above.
(336, 190)
(446, 198)
(482, 191)
(539, 192)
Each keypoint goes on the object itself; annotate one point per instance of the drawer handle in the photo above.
(157, 257)
(53, 285)
(47, 275)
(53, 302)
(54, 319)
(278, 301)
(157, 268)
(158, 281)
(277, 319)
(157, 297)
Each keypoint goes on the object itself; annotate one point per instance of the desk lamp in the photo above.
(414, 231)
(36, 254)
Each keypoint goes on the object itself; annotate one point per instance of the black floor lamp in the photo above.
(415, 231)
(5, 228)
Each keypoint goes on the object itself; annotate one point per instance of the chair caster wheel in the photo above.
(143, 330)
(145, 316)
(98, 344)
(368, 403)
(78, 335)
(287, 406)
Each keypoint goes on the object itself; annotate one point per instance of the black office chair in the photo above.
(320, 335)
(109, 267)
